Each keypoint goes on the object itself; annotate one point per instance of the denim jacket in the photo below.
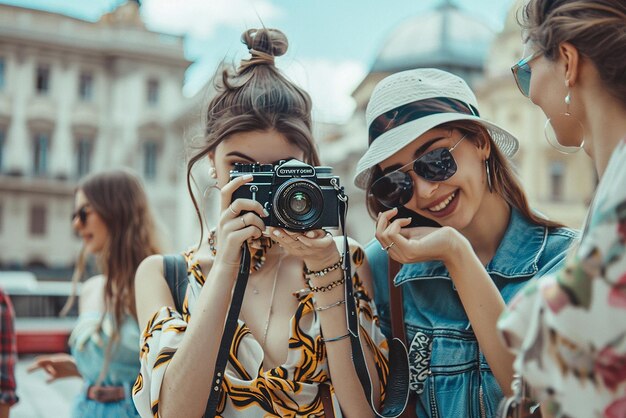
(448, 370)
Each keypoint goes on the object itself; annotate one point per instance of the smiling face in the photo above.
(456, 200)
(265, 147)
(93, 231)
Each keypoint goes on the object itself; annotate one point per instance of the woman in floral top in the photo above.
(569, 329)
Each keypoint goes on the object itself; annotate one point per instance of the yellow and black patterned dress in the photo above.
(248, 389)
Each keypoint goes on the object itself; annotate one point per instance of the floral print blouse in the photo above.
(249, 389)
(569, 329)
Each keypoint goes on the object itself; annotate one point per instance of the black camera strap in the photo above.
(230, 327)
(397, 389)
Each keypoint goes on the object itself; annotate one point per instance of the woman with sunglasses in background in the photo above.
(432, 160)
(114, 221)
(569, 328)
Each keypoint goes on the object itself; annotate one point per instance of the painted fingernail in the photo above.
(277, 233)
(310, 234)
(246, 176)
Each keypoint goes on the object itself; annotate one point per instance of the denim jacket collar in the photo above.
(517, 255)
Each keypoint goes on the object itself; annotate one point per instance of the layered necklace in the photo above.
(258, 248)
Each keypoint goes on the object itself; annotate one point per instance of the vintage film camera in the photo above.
(297, 196)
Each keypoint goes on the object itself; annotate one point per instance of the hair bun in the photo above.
(266, 41)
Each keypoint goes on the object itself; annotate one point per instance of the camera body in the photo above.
(297, 196)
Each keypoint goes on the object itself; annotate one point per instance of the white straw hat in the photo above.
(425, 98)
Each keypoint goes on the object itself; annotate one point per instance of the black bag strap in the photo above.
(397, 389)
(396, 308)
(175, 270)
(229, 332)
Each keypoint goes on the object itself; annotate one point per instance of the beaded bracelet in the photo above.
(330, 340)
(323, 308)
(325, 270)
(328, 287)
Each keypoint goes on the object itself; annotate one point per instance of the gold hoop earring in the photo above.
(564, 121)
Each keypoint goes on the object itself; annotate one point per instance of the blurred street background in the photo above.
(104, 83)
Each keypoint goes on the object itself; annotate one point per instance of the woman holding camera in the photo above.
(451, 210)
(569, 329)
(291, 338)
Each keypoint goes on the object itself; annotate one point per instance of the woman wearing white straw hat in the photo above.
(432, 160)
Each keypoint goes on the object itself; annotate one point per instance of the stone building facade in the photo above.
(77, 97)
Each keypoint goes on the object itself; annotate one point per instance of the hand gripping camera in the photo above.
(297, 196)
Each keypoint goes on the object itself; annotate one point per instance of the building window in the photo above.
(150, 151)
(40, 155)
(2, 141)
(43, 80)
(2, 72)
(153, 92)
(557, 174)
(84, 149)
(85, 87)
(38, 220)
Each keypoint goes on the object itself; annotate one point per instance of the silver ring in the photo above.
(231, 209)
(389, 246)
(245, 225)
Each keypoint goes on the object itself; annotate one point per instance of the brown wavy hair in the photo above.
(597, 28)
(256, 96)
(503, 178)
(118, 197)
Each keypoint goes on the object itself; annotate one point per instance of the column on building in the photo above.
(64, 83)
(17, 147)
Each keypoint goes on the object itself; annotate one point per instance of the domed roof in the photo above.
(442, 37)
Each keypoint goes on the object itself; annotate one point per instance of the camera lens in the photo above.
(298, 204)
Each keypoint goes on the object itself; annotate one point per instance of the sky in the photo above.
(332, 43)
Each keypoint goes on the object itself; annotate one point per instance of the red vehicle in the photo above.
(37, 306)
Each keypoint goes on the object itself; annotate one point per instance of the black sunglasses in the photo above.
(521, 72)
(396, 188)
(81, 213)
